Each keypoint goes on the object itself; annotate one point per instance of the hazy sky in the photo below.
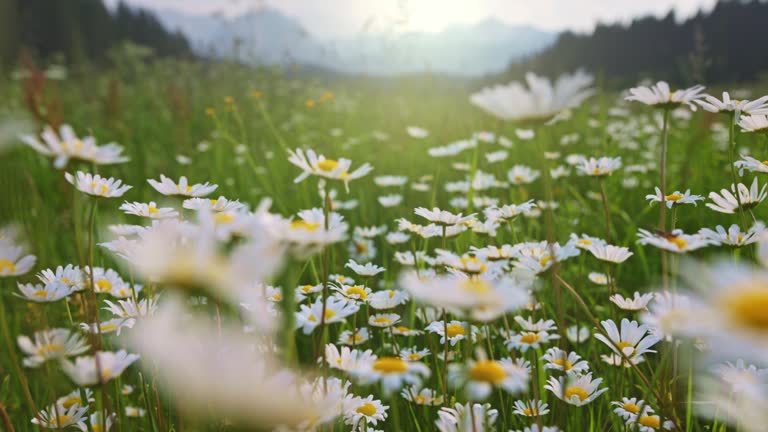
(326, 18)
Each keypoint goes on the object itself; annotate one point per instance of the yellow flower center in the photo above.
(765, 162)
(530, 412)
(652, 422)
(419, 400)
(40, 293)
(455, 330)
(488, 371)
(564, 363)
(414, 357)
(103, 285)
(214, 202)
(402, 329)
(60, 420)
(71, 401)
(358, 291)
(544, 261)
(747, 306)
(623, 345)
(473, 265)
(679, 242)
(187, 189)
(576, 391)
(7, 266)
(367, 409)
(529, 338)
(152, 210)
(476, 286)
(327, 165)
(382, 320)
(224, 218)
(391, 294)
(49, 349)
(634, 409)
(584, 242)
(301, 224)
(673, 197)
(390, 365)
(108, 327)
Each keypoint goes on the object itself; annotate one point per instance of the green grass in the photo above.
(159, 111)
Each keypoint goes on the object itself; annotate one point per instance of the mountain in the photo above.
(266, 36)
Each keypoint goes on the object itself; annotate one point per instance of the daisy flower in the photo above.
(676, 241)
(530, 408)
(632, 341)
(636, 303)
(577, 334)
(148, 210)
(135, 412)
(97, 185)
(600, 167)
(728, 105)
(585, 241)
(508, 212)
(425, 396)
(355, 293)
(65, 146)
(416, 132)
(610, 253)
(397, 237)
(367, 269)
(564, 361)
(76, 398)
(535, 428)
(540, 325)
(627, 408)
(456, 331)
(467, 417)
(672, 314)
(480, 377)
(413, 354)
(390, 181)
(578, 390)
(405, 331)
(387, 299)
(346, 359)
(312, 164)
(541, 100)
(308, 233)
(168, 187)
(392, 200)
(69, 275)
(335, 311)
(522, 175)
(754, 123)
(660, 95)
(51, 345)
(529, 339)
(363, 411)
(96, 421)
(383, 320)
(57, 417)
(11, 261)
(219, 204)
(442, 217)
(392, 372)
(727, 202)
(44, 293)
(734, 236)
(357, 337)
(675, 198)
(598, 278)
(84, 371)
(646, 421)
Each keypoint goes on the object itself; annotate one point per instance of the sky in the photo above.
(334, 18)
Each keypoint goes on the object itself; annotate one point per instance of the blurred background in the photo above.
(621, 41)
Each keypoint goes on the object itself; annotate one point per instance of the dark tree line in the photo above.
(80, 30)
(728, 44)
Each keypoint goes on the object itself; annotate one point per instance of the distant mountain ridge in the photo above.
(267, 36)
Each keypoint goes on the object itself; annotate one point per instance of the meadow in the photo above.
(543, 219)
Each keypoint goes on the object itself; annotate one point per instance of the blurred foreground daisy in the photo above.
(539, 102)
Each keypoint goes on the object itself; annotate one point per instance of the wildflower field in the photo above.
(209, 247)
